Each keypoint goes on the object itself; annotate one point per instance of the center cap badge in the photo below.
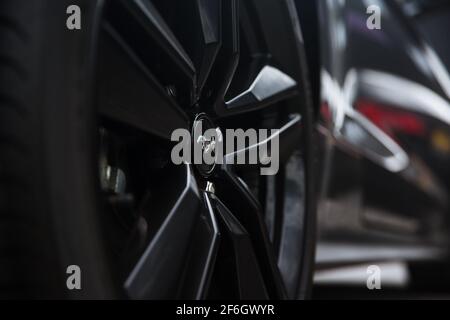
(205, 145)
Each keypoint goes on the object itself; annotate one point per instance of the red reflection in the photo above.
(391, 121)
(325, 112)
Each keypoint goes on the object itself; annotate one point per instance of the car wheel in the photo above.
(86, 177)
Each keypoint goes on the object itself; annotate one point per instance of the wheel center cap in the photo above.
(208, 144)
(205, 138)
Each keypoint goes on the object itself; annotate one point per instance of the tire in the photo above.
(54, 210)
(47, 179)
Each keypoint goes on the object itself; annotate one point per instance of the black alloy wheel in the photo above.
(98, 172)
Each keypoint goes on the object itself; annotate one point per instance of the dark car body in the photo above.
(383, 131)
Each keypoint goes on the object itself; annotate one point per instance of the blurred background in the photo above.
(384, 137)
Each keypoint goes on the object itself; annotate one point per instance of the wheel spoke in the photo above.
(130, 94)
(234, 193)
(141, 16)
(289, 137)
(157, 273)
(228, 56)
(239, 257)
(270, 86)
(209, 24)
(202, 254)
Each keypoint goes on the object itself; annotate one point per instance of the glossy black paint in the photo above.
(384, 125)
